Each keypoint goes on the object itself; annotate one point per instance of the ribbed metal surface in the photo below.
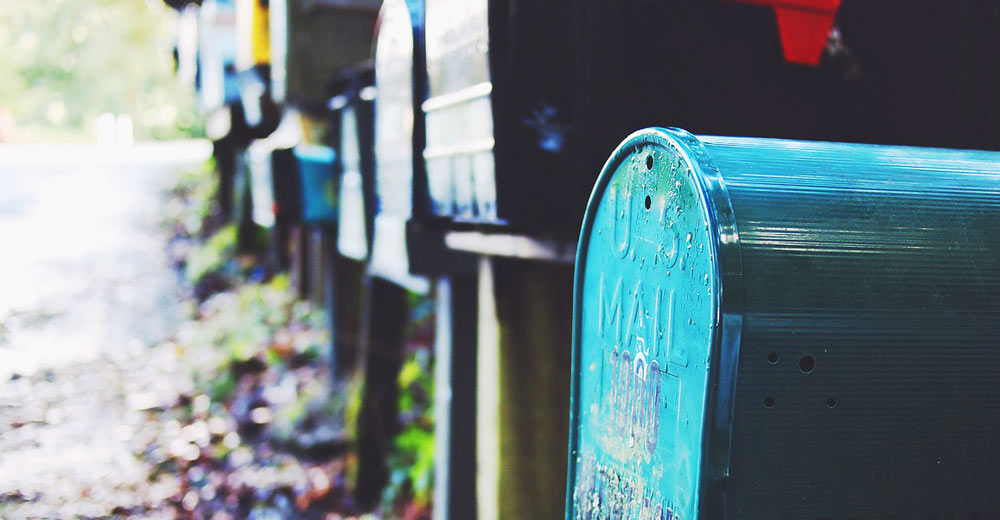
(862, 381)
(882, 266)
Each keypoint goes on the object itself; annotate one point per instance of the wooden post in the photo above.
(347, 295)
(379, 416)
(223, 150)
(299, 260)
(455, 398)
(524, 383)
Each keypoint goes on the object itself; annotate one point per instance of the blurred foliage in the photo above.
(259, 432)
(213, 256)
(413, 459)
(64, 62)
(257, 325)
(258, 362)
(411, 479)
(192, 202)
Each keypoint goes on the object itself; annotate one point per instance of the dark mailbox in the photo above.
(286, 187)
(772, 329)
(524, 97)
(314, 42)
(499, 108)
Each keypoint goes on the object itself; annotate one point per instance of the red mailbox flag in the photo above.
(804, 26)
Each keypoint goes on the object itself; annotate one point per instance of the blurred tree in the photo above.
(64, 62)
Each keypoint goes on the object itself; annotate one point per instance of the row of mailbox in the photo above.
(467, 89)
(762, 328)
(741, 303)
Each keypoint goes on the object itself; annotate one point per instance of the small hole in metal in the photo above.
(832, 402)
(649, 202)
(768, 402)
(649, 162)
(772, 358)
(807, 364)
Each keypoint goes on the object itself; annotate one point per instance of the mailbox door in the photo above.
(647, 335)
(459, 110)
(396, 140)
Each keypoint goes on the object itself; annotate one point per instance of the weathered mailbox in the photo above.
(770, 329)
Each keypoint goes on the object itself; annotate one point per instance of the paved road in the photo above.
(84, 290)
(82, 269)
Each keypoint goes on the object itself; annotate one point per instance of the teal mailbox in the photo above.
(317, 175)
(770, 329)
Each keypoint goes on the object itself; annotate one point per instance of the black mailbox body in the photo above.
(286, 187)
(525, 97)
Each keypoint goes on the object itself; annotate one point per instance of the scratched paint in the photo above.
(646, 321)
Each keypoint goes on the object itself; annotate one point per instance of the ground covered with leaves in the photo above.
(263, 430)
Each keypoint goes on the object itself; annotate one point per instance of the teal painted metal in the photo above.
(647, 307)
(317, 171)
(765, 327)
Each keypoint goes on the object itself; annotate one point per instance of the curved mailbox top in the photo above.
(760, 319)
(398, 133)
(648, 301)
(394, 117)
